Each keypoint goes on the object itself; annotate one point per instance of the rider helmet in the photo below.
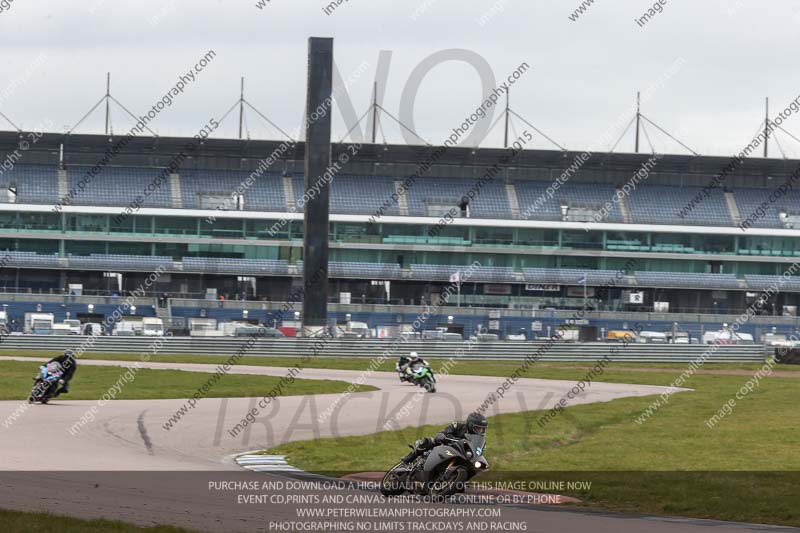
(413, 356)
(477, 423)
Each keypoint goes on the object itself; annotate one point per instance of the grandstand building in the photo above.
(545, 232)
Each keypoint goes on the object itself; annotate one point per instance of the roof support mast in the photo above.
(108, 97)
(508, 97)
(766, 129)
(374, 111)
(241, 106)
(638, 116)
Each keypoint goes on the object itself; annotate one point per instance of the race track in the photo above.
(126, 465)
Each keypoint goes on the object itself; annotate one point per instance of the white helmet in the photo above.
(413, 356)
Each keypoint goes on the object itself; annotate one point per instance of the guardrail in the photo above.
(298, 347)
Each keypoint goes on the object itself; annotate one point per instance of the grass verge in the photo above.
(21, 522)
(744, 469)
(91, 382)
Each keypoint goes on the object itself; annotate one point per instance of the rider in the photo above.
(475, 424)
(404, 364)
(68, 364)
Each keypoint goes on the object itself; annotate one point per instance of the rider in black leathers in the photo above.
(476, 423)
(68, 364)
(405, 362)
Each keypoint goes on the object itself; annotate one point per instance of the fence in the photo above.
(363, 348)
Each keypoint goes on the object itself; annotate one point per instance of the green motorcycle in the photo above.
(422, 375)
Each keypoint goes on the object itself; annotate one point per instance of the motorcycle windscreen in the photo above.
(476, 442)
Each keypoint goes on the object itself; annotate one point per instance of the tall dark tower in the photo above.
(317, 163)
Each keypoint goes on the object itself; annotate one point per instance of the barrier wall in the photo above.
(296, 348)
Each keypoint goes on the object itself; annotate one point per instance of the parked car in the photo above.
(272, 333)
(621, 335)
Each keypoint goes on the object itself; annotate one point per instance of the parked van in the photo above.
(726, 336)
(652, 337)
(152, 326)
(74, 326)
(125, 328)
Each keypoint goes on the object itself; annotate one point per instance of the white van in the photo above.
(74, 326)
(652, 337)
(152, 326)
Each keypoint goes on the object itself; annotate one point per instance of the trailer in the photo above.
(39, 323)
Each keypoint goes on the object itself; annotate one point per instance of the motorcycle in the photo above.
(442, 471)
(47, 383)
(422, 375)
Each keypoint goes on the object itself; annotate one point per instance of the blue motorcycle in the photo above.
(47, 383)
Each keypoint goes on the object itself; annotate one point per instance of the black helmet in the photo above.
(69, 354)
(477, 423)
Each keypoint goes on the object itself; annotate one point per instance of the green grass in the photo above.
(745, 469)
(20, 522)
(91, 382)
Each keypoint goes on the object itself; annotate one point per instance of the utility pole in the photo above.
(508, 98)
(108, 98)
(638, 116)
(241, 106)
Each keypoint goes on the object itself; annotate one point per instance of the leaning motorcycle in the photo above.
(422, 375)
(47, 383)
(439, 472)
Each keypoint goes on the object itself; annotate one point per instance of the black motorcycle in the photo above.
(439, 472)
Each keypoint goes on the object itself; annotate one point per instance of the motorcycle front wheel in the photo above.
(448, 482)
(393, 483)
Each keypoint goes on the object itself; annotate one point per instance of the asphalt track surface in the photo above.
(126, 466)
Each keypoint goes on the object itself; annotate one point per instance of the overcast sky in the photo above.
(584, 74)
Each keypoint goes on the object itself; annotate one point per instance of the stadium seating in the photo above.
(119, 262)
(570, 276)
(364, 270)
(479, 273)
(264, 194)
(749, 200)
(35, 184)
(659, 204)
(213, 265)
(688, 280)
(119, 186)
(356, 194)
(428, 196)
(760, 283)
(32, 259)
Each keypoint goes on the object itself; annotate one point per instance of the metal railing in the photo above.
(366, 348)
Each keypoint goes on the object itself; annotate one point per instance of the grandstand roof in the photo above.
(402, 159)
